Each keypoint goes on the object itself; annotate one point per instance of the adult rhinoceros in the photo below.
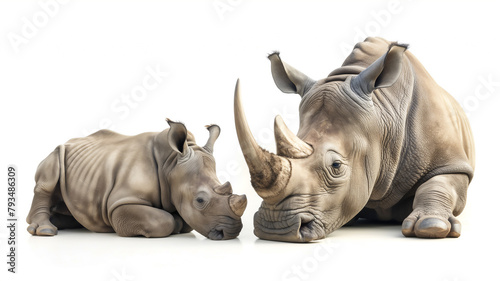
(152, 184)
(378, 139)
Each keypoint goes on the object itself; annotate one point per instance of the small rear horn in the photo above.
(224, 189)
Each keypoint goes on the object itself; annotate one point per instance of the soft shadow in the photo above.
(259, 242)
(362, 226)
(234, 241)
(361, 223)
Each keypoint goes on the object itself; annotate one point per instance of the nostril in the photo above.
(216, 234)
(220, 233)
(308, 229)
(306, 224)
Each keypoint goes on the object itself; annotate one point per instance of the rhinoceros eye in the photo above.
(336, 165)
(201, 200)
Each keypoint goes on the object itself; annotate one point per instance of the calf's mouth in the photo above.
(225, 231)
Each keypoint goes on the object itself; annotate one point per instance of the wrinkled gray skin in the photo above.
(378, 139)
(152, 185)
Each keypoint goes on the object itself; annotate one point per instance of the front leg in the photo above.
(436, 203)
(185, 227)
(142, 220)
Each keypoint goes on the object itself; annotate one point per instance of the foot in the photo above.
(42, 227)
(431, 225)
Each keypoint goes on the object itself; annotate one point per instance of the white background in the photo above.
(66, 76)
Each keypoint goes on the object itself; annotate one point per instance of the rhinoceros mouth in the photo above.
(216, 234)
(225, 231)
(301, 227)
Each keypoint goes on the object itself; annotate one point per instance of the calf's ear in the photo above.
(384, 72)
(214, 131)
(287, 78)
(177, 137)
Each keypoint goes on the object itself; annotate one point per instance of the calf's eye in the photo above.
(201, 200)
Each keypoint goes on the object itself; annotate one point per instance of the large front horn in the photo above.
(287, 143)
(269, 172)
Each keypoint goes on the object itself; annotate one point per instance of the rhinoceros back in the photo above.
(429, 133)
(98, 175)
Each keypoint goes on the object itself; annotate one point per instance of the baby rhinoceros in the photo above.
(151, 184)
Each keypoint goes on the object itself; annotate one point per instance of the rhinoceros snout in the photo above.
(225, 232)
(309, 228)
(216, 234)
(278, 226)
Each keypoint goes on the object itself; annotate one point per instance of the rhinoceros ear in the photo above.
(288, 79)
(383, 72)
(177, 136)
(214, 132)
